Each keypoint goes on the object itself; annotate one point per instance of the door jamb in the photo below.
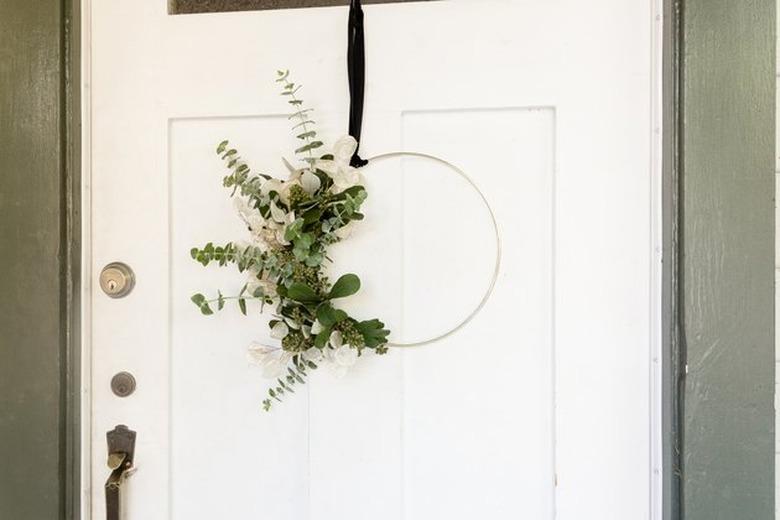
(672, 242)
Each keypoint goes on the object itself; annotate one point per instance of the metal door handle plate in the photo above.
(121, 451)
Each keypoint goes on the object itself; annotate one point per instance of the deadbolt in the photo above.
(117, 280)
(123, 384)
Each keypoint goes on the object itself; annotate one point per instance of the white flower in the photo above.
(292, 323)
(344, 232)
(294, 172)
(280, 187)
(272, 185)
(344, 149)
(317, 327)
(257, 352)
(266, 234)
(344, 176)
(329, 362)
(249, 215)
(335, 339)
(345, 356)
(278, 214)
(339, 361)
(279, 330)
(273, 361)
(314, 355)
(310, 182)
(277, 226)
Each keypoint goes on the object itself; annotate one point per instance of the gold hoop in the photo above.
(496, 268)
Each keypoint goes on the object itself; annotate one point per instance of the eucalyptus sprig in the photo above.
(291, 224)
(305, 125)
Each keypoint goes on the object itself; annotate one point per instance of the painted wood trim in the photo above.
(672, 363)
(72, 281)
(727, 252)
(38, 161)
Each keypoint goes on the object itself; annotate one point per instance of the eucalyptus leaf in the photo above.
(202, 303)
(311, 146)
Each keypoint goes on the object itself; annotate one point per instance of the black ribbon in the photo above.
(356, 68)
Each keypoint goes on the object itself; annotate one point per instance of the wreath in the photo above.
(291, 225)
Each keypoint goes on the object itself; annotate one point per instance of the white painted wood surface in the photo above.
(541, 408)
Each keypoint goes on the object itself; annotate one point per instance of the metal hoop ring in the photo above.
(496, 268)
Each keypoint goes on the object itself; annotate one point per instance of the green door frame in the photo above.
(39, 239)
(718, 276)
(724, 349)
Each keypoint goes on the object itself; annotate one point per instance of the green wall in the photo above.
(35, 438)
(728, 111)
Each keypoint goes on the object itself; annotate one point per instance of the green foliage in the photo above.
(328, 316)
(374, 333)
(301, 115)
(202, 303)
(292, 224)
(347, 285)
(302, 293)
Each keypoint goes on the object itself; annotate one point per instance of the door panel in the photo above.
(540, 406)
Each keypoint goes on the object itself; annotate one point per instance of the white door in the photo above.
(541, 407)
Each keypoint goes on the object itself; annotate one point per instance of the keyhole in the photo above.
(117, 280)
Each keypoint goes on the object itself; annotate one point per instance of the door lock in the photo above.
(117, 280)
(123, 384)
(121, 451)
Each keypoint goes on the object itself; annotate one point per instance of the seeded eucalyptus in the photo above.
(291, 224)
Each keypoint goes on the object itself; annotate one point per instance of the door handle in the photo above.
(121, 450)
